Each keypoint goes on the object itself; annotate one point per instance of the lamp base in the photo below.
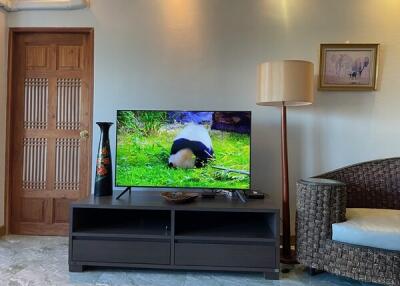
(289, 260)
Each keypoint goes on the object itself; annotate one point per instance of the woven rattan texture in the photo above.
(374, 184)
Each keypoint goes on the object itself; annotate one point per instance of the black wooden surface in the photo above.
(153, 200)
(143, 230)
(123, 251)
(228, 255)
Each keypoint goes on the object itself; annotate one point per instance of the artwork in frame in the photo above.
(348, 66)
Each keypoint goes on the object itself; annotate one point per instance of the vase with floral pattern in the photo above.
(103, 183)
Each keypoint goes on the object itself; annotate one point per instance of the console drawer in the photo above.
(121, 251)
(229, 255)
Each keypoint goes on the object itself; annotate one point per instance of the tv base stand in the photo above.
(221, 234)
(123, 192)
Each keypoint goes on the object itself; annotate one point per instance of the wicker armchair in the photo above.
(322, 201)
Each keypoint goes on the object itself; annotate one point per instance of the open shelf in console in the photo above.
(121, 223)
(225, 226)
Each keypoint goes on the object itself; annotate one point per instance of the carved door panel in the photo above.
(51, 96)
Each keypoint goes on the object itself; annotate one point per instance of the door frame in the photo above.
(9, 108)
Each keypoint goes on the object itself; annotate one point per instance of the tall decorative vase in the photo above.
(103, 183)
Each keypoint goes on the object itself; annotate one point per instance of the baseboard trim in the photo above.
(2, 230)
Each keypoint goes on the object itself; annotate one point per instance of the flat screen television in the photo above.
(183, 149)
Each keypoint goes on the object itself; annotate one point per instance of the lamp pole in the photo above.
(287, 256)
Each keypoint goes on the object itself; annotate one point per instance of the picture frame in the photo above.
(348, 67)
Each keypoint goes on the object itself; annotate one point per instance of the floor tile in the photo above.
(43, 261)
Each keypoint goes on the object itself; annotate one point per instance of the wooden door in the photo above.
(51, 119)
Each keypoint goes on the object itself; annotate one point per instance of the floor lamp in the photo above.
(285, 83)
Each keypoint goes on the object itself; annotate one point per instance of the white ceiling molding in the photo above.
(19, 5)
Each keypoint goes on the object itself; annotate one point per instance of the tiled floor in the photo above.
(41, 261)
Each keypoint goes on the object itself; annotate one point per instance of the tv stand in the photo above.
(146, 231)
(124, 191)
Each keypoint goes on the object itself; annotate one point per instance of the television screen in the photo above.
(183, 149)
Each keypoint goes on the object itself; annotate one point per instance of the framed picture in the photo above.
(348, 66)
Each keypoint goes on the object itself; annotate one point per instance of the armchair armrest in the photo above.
(320, 203)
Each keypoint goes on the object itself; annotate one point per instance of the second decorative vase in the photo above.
(103, 183)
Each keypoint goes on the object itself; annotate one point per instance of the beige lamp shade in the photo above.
(285, 83)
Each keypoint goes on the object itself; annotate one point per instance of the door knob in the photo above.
(84, 134)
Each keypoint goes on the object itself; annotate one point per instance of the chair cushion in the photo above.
(378, 228)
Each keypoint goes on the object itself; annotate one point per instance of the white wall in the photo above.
(202, 54)
(3, 44)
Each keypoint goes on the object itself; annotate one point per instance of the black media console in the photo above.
(144, 231)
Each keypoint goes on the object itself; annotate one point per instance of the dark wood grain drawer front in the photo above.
(229, 255)
(121, 251)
